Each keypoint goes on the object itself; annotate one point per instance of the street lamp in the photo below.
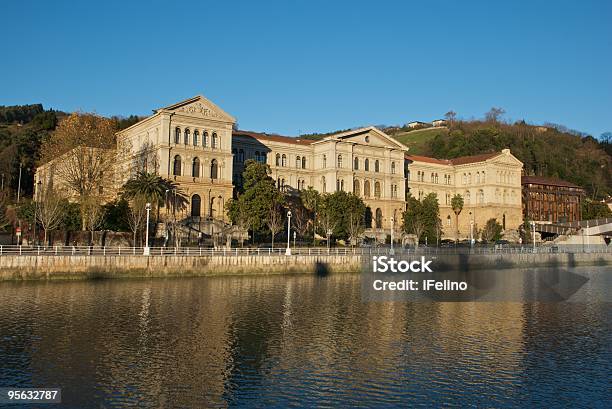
(471, 233)
(294, 235)
(533, 225)
(392, 251)
(288, 252)
(329, 233)
(147, 251)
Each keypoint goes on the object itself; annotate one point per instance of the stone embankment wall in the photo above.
(32, 267)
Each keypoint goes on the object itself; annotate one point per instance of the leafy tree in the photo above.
(595, 210)
(311, 199)
(156, 190)
(116, 215)
(239, 214)
(344, 214)
(431, 216)
(457, 206)
(414, 222)
(492, 231)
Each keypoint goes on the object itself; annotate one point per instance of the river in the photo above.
(279, 341)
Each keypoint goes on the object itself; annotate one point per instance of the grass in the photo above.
(418, 140)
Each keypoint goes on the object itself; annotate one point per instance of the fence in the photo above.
(358, 251)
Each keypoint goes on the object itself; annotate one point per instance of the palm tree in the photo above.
(457, 205)
(155, 190)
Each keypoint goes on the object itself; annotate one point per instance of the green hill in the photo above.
(419, 140)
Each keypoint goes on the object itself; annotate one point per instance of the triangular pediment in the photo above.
(200, 107)
(369, 136)
(506, 158)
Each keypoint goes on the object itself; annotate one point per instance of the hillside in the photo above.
(419, 140)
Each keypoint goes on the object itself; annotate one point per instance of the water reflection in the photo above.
(294, 340)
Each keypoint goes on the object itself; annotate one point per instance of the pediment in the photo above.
(506, 159)
(370, 136)
(200, 107)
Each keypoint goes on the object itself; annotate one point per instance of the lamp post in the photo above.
(288, 252)
(147, 251)
(329, 233)
(36, 199)
(294, 236)
(471, 233)
(391, 250)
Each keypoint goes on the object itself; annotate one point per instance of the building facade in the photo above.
(551, 200)
(490, 185)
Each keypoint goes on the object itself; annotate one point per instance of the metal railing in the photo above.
(12, 250)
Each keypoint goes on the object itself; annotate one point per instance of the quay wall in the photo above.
(47, 267)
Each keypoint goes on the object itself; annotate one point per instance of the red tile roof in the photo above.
(456, 161)
(540, 180)
(275, 138)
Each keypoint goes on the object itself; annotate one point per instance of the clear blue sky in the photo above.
(304, 66)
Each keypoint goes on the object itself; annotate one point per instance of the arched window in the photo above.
(339, 161)
(477, 177)
(366, 165)
(436, 178)
(379, 218)
(342, 185)
(205, 139)
(432, 178)
(177, 166)
(196, 135)
(470, 178)
(324, 161)
(196, 204)
(284, 160)
(467, 197)
(481, 196)
(356, 163)
(241, 155)
(324, 186)
(465, 179)
(278, 158)
(186, 137)
(195, 168)
(215, 140)
(303, 162)
(356, 189)
(376, 166)
(177, 135)
(337, 185)
(366, 188)
(214, 169)
(393, 168)
(377, 189)
(298, 162)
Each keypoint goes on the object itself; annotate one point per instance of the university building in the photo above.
(550, 200)
(194, 143)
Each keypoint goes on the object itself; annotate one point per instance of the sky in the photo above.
(293, 67)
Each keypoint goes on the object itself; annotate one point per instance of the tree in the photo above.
(344, 214)
(4, 221)
(431, 217)
(414, 222)
(311, 198)
(450, 116)
(594, 210)
(300, 216)
(49, 209)
(92, 212)
(327, 217)
(274, 221)
(82, 151)
(457, 206)
(238, 213)
(136, 216)
(494, 114)
(492, 231)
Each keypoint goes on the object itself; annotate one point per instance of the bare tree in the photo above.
(275, 219)
(82, 152)
(301, 220)
(92, 214)
(136, 216)
(494, 114)
(451, 116)
(49, 209)
(356, 227)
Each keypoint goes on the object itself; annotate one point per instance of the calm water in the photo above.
(295, 341)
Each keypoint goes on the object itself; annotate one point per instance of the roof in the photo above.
(540, 180)
(270, 137)
(463, 160)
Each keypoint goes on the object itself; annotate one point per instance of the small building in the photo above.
(438, 122)
(417, 124)
(551, 200)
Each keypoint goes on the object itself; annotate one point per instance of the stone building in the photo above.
(364, 161)
(490, 185)
(551, 200)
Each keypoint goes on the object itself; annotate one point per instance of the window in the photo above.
(214, 169)
(393, 168)
(356, 189)
(298, 162)
(432, 178)
(436, 178)
(465, 179)
(379, 219)
(257, 156)
(215, 140)
(303, 162)
(324, 186)
(376, 166)
(196, 204)
(366, 165)
(324, 161)
(377, 189)
(278, 158)
(337, 185)
(205, 139)
(195, 167)
(470, 178)
(477, 177)
(177, 135)
(235, 155)
(366, 188)
(339, 161)
(284, 160)
(186, 137)
(196, 135)
(356, 164)
(467, 197)
(177, 166)
(241, 155)
(263, 157)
